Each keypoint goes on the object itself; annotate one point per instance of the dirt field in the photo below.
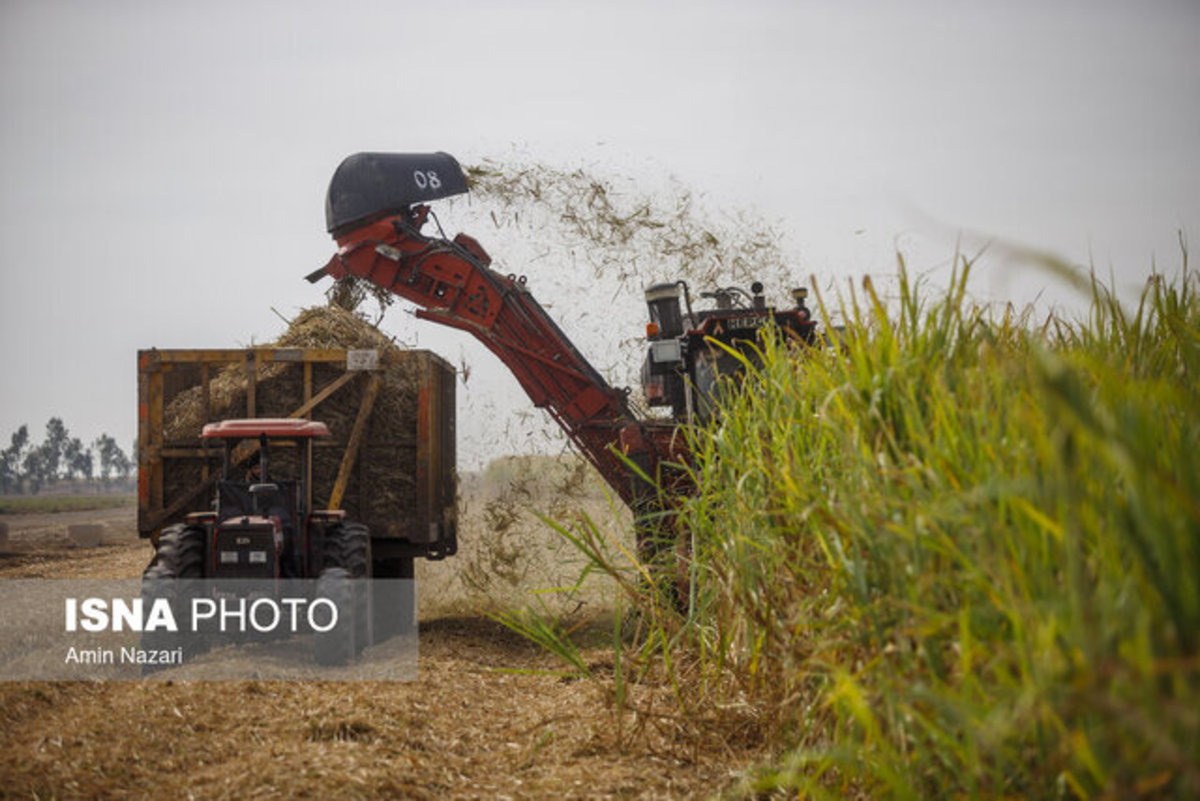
(479, 722)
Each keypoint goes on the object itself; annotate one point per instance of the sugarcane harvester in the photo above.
(377, 208)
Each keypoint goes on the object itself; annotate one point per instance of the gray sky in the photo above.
(165, 164)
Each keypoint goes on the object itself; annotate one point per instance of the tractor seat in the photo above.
(235, 500)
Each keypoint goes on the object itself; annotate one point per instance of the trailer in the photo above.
(389, 462)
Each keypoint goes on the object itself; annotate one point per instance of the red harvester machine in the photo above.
(376, 210)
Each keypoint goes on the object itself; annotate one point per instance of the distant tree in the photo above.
(52, 448)
(36, 468)
(84, 465)
(10, 461)
(105, 447)
(76, 460)
(112, 458)
(122, 464)
(20, 439)
(70, 451)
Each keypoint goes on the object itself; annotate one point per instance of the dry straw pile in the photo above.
(380, 486)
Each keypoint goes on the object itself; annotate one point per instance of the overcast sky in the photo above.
(165, 164)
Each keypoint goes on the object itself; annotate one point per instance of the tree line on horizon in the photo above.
(29, 468)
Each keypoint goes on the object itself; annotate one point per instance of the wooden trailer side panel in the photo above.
(436, 480)
(177, 470)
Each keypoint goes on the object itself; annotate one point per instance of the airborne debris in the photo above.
(624, 232)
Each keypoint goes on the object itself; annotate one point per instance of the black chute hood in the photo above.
(367, 185)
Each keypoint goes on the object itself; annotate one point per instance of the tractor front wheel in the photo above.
(181, 551)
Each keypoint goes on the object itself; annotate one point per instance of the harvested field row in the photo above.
(489, 716)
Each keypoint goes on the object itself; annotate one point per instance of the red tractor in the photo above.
(261, 528)
(376, 210)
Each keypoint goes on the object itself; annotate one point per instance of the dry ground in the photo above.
(483, 719)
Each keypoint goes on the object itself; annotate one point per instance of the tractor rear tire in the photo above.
(338, 646)
(347, 547)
